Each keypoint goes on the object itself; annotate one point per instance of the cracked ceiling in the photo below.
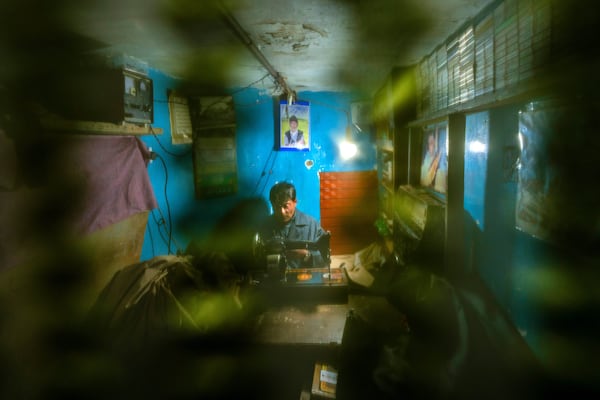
(315, 45)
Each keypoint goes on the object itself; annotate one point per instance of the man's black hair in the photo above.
(293, 118)
(282, 192)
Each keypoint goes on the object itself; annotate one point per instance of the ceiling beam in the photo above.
(233, 24)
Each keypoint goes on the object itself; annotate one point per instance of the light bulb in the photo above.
(348, 149)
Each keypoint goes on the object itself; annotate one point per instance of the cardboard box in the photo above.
(324, 381)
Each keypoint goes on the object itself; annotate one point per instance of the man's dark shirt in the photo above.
(302, 227)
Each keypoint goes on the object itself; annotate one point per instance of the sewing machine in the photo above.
(274, 273)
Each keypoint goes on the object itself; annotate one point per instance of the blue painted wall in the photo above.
(540, 284)
(259, 165)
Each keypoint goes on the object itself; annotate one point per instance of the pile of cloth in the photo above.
(170, 295)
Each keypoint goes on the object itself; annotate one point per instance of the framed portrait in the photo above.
(434, 158)
(294, 126)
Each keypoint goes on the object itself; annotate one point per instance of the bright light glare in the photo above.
(348, 149)
(520, 136)
(477, 147)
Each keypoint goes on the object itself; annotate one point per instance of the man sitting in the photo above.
(289, 224)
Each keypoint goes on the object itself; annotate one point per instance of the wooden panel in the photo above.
(349, 209)
(97, 128)
(340, 192)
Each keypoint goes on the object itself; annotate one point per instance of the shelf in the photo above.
(98, 128)
(387, 187)
(387, 146)
(386, 172)
(388, 221)
(386, 155)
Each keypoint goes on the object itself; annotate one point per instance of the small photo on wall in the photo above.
(434, 159)
(294, 126)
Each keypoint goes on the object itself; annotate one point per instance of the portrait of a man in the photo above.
(434, 167)
(294, 126)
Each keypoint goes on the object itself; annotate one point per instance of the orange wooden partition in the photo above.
(349, 209)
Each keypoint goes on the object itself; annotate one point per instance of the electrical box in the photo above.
(102, 94)
(137, 98)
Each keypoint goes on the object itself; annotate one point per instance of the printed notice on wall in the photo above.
(215, 164)
(181, 123)
(214, 148)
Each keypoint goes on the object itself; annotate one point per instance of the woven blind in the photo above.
(499, 50)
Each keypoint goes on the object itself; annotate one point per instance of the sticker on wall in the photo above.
(294, 126)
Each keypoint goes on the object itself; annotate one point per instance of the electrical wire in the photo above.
(167, 236)
(170, 222)
(220, 99)
(178, 155)
(270, 173)
(263, 173)
(252, 84)
(160, 222)
(170, 229)
(340, 109)
(248, 86)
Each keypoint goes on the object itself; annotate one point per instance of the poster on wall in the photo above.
(475, 165)
(434, 158)
(214, 146)
(179, 117)
(536, 183)
(557, 190)
(294, 126)
(215, 164)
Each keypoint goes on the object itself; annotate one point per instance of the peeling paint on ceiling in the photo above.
(286, 36)
(317, 45)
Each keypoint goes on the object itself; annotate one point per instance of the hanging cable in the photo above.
(247, 41)
(270, 173)
(170, 229)
(170, 224)
(169, 237)
(250, 84)
(160, 223)
(263, 172)
(184, 154)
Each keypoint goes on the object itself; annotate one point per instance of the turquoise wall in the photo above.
(259, 165)
(540, 283)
